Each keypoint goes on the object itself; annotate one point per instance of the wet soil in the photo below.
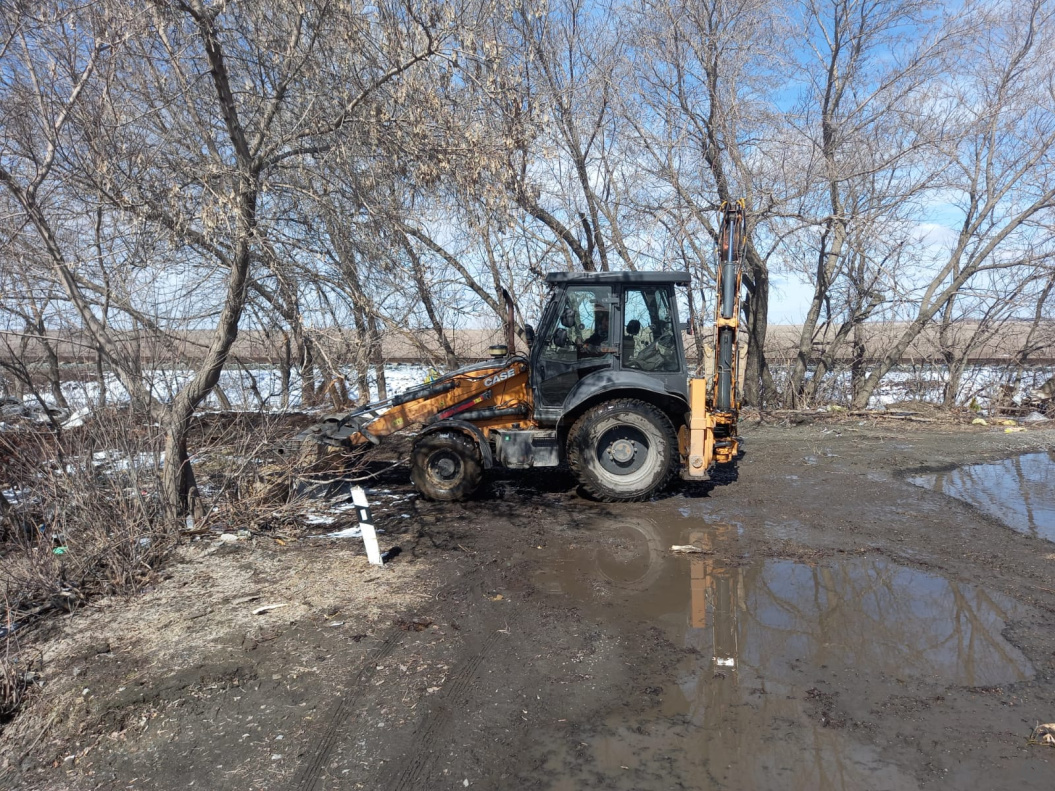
(839, 627)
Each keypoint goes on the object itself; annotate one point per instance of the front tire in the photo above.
(446, 466)
(622, 450)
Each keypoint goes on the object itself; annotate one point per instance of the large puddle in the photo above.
(1019, 491)
(758, 637)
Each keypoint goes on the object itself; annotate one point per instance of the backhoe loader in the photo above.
(604, 388)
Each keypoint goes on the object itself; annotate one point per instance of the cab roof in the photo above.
(612, 278)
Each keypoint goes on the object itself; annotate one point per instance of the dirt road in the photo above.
(840, 628)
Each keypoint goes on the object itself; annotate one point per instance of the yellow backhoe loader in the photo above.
(605, 389)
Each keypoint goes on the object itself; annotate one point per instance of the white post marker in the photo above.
(366, 523)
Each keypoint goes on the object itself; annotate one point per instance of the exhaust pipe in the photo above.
(511, 332)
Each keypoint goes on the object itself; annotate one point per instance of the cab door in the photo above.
(579, 341)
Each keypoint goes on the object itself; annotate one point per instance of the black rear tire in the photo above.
(622, 450)
(446, 466)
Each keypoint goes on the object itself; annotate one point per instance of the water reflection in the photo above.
(742, 710)
(773, 614)
(1019, 491)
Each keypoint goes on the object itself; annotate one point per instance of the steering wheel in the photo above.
(654, 354)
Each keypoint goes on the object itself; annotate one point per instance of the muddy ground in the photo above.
(843, 628)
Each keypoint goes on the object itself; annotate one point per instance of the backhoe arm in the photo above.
(711, 430)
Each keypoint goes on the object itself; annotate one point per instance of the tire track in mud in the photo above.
(430, 732)
(311, 773)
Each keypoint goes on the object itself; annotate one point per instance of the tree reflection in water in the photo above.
(744, 712)
(1019, 491)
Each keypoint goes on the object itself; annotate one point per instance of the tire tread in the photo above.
(470, 459)
(577, 462)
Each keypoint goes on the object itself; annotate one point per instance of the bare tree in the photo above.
(185, 116)
(859, 157)
(700, 77)
(998, 146)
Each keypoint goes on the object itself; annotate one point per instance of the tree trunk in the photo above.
(696, 324)
(285, 369)
(221, 398)
(758, 381)
(20, 383)
(1022, 356)
(100, 377)
(857, 363)
(54, 372)
(952, 384)
(308, 390)
(827, 264)
(827, 361)
(889, 360)
(450, 357)
(177, 475)
(177, 478)
(361, 360)
(377, 357)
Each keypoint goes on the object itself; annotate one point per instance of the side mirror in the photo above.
(560, 338)
(529, 335)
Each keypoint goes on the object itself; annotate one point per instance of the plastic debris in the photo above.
(60, 550)
(1043, 734)
(1035, 417)
(13, 409)
(689, 549)
(268, 608)
(1045, 392)
(77, 418)
(348, 532)
(979, 421)
(1006, 422)
(1013, 430)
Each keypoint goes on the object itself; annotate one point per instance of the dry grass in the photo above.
(16, 679)
(83, 520)
(201, 611)
(83, 516)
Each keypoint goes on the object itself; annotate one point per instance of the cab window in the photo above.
(648, 331)
(582, 328)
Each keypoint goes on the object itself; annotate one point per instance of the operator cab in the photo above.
(607, 331)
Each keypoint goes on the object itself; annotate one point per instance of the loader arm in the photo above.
(490, 395)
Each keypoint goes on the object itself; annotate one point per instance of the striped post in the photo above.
(366, 523)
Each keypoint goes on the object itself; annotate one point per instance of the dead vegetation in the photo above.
(214, 608)
(83, 516)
